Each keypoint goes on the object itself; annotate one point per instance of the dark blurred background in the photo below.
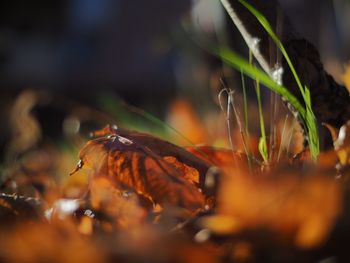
(127, 46)
(88, 44)
(85, 52)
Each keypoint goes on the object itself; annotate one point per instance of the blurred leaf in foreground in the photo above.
(301, 209)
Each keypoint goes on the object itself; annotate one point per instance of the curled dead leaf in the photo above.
(341, 142)
(156, 169)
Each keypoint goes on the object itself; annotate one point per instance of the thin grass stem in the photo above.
(262, 142)
(282, 143)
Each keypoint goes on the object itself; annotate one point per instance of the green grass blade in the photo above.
(262, 141)
(312, 127)
(282, 143)
(263, 21)
(245, 105)
(236, 61)
(309, 119)
(157, 121)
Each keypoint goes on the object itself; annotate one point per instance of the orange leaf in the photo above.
(346, 77)
(183, 117)
(159, 170)
(303, 209)
(219, 156)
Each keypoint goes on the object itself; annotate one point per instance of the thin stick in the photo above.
(230, 103)
(228, 117)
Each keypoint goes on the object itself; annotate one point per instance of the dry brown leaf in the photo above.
(341, 142)
(123, 207)
(161, 171)
(14, 209)
(220, 157)
(346, 77)
(26, 129)
(301, 209)
(41, 242)
(182, 117)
